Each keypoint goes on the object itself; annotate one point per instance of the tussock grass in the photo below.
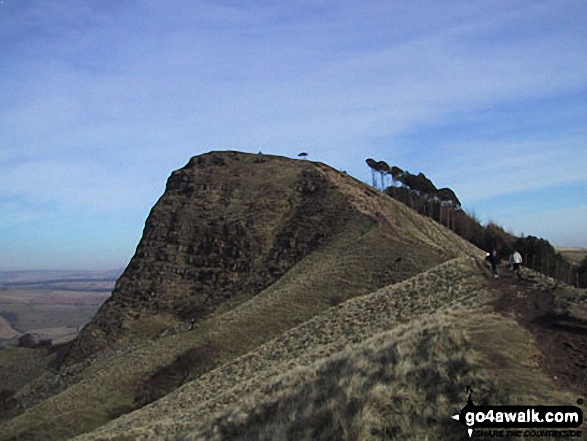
(380, 244)
(403, 383)
(457, 283)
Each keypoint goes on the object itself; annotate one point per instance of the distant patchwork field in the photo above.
(50, 304)
(574, 255)
(55, 315)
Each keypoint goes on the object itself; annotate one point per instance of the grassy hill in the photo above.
(269, 296)
(341, 238)
(394, 363)
(230, 225)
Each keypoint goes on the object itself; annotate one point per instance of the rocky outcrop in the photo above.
(238, 251)
(231, 224)
(227, 227)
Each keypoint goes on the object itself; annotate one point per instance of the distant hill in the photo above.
(238, 250)
(272, 298)
(231, 225)
(59, 280)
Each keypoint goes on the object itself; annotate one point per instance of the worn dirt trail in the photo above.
(562, 339)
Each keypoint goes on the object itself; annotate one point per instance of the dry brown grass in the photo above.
(456, 282)
(391, 364)
(380, 243)
(402, 384)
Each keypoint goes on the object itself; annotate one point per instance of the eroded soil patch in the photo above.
(561, 337)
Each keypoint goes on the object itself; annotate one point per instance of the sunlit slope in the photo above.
(394, 363)
(453, 283)
(365, 241)
(402, 384)
(230, 224)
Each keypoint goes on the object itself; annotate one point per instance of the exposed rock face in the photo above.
(238, 251)
(227, 226)
(230, 224)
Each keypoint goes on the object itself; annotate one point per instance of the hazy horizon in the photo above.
(101, 101)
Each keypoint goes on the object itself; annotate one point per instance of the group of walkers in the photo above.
(515, 261)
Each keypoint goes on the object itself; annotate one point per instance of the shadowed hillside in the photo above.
(230, 225)
(394, 364)
(238, 250)
(457, 282)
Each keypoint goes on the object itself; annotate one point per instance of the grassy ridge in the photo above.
(383, 244)
(392, 363)
(402, 384)
(350, 323)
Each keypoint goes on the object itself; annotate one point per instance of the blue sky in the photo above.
(101, 100)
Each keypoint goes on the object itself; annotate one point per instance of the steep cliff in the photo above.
(230, 224)
(239, 250)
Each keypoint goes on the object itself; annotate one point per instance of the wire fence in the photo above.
(560, 270)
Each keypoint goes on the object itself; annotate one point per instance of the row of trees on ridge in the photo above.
(419, 193)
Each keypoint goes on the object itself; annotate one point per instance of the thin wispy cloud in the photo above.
(101, 100)
(489, 169)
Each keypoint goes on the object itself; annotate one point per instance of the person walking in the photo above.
(516, 260)
(493, 261)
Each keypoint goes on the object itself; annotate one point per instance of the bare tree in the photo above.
(373, 166)
(383, 169)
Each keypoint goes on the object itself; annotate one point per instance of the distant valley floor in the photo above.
(46, 314)
(57, 315)
(51, 305)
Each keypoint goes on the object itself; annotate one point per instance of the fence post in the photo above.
(570, 278)
(577, 278)
(557, 265)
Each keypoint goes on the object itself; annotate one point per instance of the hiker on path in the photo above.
(493, 261)
(516, 260)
